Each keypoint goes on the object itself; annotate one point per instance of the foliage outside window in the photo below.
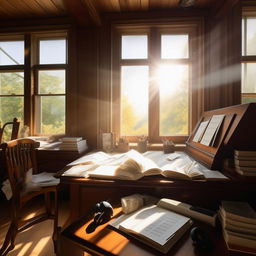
(50, 74)
(152, 83)
(11, 82)
(248, 59)
(46, 61)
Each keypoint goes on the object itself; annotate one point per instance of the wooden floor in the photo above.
(37, 240)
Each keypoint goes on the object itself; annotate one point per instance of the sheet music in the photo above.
(211, 129)
(200, 131)
(156, 223)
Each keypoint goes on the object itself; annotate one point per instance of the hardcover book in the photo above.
(154, 226)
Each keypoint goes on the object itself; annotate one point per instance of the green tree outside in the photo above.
(52, 107)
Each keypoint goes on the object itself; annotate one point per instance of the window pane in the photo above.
(134, 47)
(52, 51)
(52, 114)
(251, 36)
(248, 99)
(243, 53)
(12, 53)
(248, 78)
(174, 46)
(12, 83)
(134, 100)
(10, 107)
(173, 85)
(51, 81)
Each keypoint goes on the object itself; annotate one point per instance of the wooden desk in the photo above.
(54, 159)
(84, 193)
(104, 241)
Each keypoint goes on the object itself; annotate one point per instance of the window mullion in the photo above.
(154, 56)
(245, 36)
(27, 83)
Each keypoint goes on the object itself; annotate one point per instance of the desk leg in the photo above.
(74, 200)
(67, 248)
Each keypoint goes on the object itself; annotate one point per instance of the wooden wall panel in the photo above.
(89, 89)
(72, 86)
(87, 105)
(223, 53)
(104, 96)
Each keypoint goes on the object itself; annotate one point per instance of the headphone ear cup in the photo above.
(98, 218)
(103, 213)
(102, 217)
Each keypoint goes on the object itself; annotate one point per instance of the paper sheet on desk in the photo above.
(184, 160)
(44, 179)
(79, 170)
(213, 174)
(173, 156)
(93, 158)
(7, 190)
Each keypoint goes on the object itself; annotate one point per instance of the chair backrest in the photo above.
(15, 129)
(19, 157)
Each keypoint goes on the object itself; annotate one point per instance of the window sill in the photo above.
(158, 146)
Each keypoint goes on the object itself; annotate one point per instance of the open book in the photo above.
(154, 226)
(133, 166)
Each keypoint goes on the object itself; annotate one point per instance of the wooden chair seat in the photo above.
(19, 156)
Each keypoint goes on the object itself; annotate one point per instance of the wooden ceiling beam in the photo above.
(220, 8)
(94, 14)
(115, 4)
(79, 12)
(144, 5)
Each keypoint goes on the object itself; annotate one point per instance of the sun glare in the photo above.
(24, 248)
(170, 77)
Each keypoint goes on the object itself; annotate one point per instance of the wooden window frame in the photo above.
(14, 68)
(248, 12)
(36, 67)
(192, 28)
(31, 67)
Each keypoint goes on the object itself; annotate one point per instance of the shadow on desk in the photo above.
(105, 241)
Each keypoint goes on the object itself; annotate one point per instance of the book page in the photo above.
(79, 170)
(115, 172)
(136, 162)
(154, 223)
(212, 174)
(127, 166)
(93, 158)
(211, 129)
(182, 167)
(200, 131)
(42, 177)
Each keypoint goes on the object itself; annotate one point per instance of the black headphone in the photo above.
(103, 212)
(201, 239)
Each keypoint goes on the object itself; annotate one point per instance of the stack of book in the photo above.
(239, 227)
(73, 144)
(245, 162)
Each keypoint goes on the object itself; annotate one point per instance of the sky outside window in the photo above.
(12, 53)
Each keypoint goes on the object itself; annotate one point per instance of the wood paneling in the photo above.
(223, 54)
(87, 93)
(89, 76)
(85, 12)
(31, 8)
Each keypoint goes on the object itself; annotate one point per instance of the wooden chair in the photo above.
(20, 157)
(15, 129)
